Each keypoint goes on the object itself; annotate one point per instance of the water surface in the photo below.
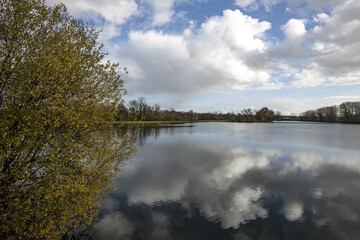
(239, 181)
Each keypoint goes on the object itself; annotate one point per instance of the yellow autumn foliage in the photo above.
(58, 149)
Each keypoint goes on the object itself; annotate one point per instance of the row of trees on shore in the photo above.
(139, 110)
(347, 112)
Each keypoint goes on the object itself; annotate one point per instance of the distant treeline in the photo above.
(139, 110)
(348, 112)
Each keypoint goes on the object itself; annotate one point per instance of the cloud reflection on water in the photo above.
(242, 191)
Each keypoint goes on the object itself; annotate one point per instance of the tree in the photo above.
(143, 107)
(309, 115)
(121, 112)
(321, 114)
(350, 112)
(331, 113)
(57, 101)
(138, 109)
(134, 110)
(248, 114)
(265, 115)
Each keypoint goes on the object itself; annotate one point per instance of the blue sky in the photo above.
(212, 55)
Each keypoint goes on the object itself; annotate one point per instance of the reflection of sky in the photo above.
(234, 182)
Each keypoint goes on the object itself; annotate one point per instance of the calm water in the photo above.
(239, 181)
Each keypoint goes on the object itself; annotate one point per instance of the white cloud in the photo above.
(232, 51)
(109, 31)
(291, 48)
(310, 77)
(114, 11)
(321, 17)
(328, 53)
(272, 86)
(343, 98)
(339, 36)
(163, 11)
(246, 4)
(225, 52)
(294, 28)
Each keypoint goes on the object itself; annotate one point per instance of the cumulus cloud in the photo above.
(326, 54)
(339, 38)
(113, 11)
(163, 11)
(294, 28)
(321, 17)
(224, 52)
(310, 77)
(291, 48)
(231, 51)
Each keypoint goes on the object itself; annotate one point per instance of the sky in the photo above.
(227, 55)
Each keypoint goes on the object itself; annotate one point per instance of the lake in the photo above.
(282, 180)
